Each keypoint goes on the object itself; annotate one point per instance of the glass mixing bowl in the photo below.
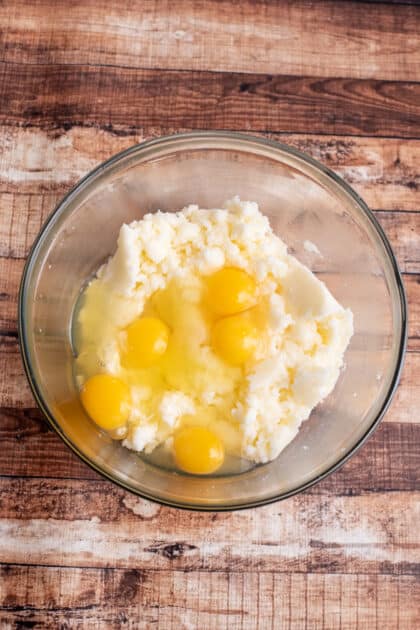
(304, 202)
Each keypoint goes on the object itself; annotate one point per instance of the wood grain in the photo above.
(403, 232)
(15, 392)
(11, 271)
(84, 94)
(40, 165)
(113, 598)
(23, 215)
(387, 461)
(402, 229)
(308, 533)
(341, 39)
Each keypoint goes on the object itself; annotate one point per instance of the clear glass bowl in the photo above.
(304, 201)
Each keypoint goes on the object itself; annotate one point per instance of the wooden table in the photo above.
(81, 80)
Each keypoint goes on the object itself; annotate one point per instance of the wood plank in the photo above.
(14, 388)
(294, 37)
(402, 229)
(10, 275)
(387, 461)
(11, 271)
(85, 94)
(382, 171)
(381, 2)
(133, 598)
(44, 164)
(403, 232)
(15, 392)
(406, 403)
(32, 448)
(89, 524)
(412, 289)
(21, 221)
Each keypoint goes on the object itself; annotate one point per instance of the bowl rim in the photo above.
(249, 140)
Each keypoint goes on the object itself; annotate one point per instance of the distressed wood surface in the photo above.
(339, 39)
(31, 449)
(383, 171)
(99, 598)
(208, 100)
(83, 80)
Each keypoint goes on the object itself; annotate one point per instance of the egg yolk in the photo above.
(107, 401)
(198, 450)
(230, 291)
(146, 342)
(235, 339)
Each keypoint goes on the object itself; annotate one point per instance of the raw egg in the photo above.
(107, 401)
(235, 339)
(146, 342)
(198, 450)
(230, 290)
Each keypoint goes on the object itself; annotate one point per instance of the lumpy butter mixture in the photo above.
(204, 335)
